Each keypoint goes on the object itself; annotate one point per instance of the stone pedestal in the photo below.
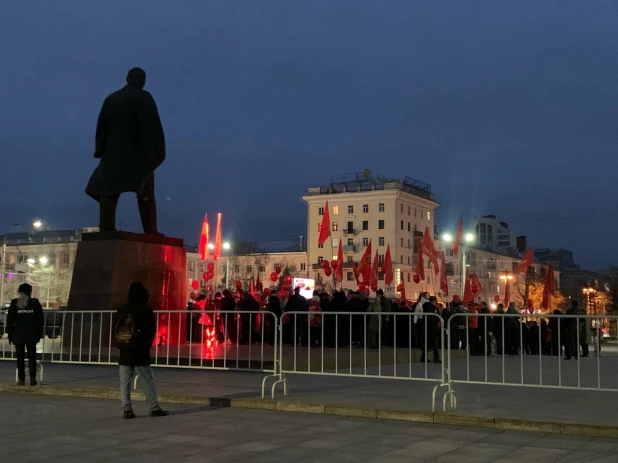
(105, 266)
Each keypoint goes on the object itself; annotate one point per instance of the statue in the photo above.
(130, 145)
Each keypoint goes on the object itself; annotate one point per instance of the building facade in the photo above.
(44, 259)
(494, 235)
(367, 209)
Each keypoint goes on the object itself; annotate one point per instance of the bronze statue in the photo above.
(130, 144)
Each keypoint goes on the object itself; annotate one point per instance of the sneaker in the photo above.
(129, 415)
(158, 412)
(33, 382)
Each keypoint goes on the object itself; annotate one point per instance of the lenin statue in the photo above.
(130, 145)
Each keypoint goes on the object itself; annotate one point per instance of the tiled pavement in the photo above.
(70, 430)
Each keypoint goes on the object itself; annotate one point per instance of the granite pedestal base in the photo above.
(105, 266)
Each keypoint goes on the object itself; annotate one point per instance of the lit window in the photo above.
(335, 210)
(365, 208)
(335, 242)
(428, 215)
(350, 209)
(335, 226)
(320, 211)
(381, 241)
(381, 207)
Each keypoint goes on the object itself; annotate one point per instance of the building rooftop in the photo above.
(367, 181)
(44, 237)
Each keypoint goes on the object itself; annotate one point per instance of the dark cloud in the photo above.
(505, 107)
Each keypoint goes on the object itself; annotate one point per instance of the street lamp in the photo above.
(37, 224)
(469, 239)
(211, 246)
(227, 246)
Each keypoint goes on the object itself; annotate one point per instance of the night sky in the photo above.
(504, 107)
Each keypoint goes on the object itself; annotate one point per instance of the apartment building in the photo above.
(368, 208)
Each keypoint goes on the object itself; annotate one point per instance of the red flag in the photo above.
(468, 294)
(550, 287)
(387, 267)
(324, 226)
(458, 237)
(475, 285)
(203, 246)
(252, 288)
(258, 283)
(420, 264)
(429, 250)
(443, 281)
(365, 264)
(339, 271)
(217, 251)
(373, 281)
(525, 262)
(507, 293)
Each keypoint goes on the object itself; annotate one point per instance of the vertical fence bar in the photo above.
(394, 345)
(308, 330)
(295, 340)
(425, 353)
(350, 340)
(485, 334)
(336, 343)
(101, 337)
(539, 325)
(597, 325)
(468, 349)
(158, 339)
(109, 344)
(90, 341)
(365, 342)
(410, 345)
(559, 352)
(521, 349)
(503, 342)
(322, 346)
(577, 354)
(179, 313)
(81, 336)
(72, 331)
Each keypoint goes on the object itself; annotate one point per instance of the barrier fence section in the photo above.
(214, 340)
(531, 350)
(385, 345)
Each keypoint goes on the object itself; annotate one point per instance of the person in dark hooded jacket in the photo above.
(25, 322)
(135, 358)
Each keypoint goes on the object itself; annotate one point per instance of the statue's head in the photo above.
(136, 77)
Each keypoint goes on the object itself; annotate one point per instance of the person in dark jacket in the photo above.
(430, 326)
(228, 307)
(297, 303)
(485, 329)
(136, 357)
(25, 328)
(557, 329)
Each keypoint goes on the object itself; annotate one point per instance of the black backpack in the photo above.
(126, 332)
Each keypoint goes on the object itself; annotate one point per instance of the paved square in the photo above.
(70, 430)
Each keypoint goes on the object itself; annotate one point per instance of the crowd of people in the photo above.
(356, 319)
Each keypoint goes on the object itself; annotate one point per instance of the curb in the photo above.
(452, 419)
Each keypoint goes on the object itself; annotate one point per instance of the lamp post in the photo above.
(43, 261)
(227, 247)
(468, 239)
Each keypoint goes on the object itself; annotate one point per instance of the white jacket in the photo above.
(419, 309)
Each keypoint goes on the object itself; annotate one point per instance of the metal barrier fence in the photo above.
(384, 345)
(519, 350)
(523, 350)
(213, 340)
